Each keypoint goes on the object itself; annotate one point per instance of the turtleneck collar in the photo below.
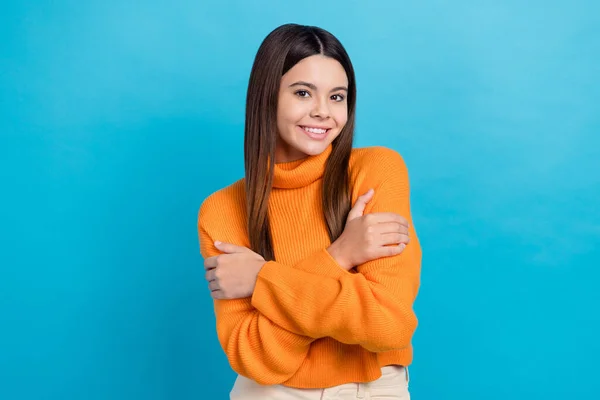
(300, 173)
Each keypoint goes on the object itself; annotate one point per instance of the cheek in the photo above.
(341, 116)
(290, 112)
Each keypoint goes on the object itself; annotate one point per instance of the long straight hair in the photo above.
(283, 48)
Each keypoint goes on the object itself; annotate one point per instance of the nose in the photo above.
(320, 110)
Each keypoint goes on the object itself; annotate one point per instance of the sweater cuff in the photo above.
(276, 276)
(321, 263)
(262, 297)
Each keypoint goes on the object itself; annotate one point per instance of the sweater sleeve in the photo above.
(372, 308)
(255, 346)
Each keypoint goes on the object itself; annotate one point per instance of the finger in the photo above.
(395, 250)
(394, 238)
(365, 197)
(213, 285)
(211, 262)
(361, 203)
(229, 247)
(391, 227)
(382, 217)
(390, 251)
(211, 275)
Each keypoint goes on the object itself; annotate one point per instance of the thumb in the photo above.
(229, 247)
(359, 207)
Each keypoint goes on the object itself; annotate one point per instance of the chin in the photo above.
(314, 149)
(296, 146)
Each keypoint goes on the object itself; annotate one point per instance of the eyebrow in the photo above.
(313, 87)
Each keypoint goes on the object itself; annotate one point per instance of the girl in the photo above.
(313, 296)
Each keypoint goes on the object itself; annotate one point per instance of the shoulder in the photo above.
(384, 170)
(378, 163)
(226, 203)
(222, 216)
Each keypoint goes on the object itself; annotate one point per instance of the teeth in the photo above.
(314, 130)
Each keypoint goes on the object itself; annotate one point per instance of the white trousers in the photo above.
(392, 385)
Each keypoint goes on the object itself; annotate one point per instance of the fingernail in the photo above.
(217, 243)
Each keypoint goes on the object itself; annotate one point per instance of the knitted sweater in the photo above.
(310, 323)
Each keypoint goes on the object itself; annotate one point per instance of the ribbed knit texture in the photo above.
(309, 323)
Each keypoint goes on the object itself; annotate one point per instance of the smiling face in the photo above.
(312, 108)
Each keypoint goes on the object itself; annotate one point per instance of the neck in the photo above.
(300, 172)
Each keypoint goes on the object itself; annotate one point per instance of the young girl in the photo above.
(308, 258)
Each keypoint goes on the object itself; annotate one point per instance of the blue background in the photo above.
(118, 118)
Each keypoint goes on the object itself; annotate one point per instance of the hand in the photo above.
(368, 237)
(232, 275)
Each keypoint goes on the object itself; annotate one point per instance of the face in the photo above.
(312, 107)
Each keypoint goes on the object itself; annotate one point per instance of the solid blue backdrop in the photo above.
(118, 118)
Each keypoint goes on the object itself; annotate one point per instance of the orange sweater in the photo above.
(309, 323)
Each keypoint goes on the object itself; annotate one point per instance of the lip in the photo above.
(315, 136)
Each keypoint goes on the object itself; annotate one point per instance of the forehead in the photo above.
(320, 70)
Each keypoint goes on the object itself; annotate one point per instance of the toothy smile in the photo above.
(318, 131)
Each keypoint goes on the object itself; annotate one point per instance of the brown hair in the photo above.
(283, 48)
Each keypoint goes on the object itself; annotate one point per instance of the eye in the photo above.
(338, 97)
(302, 93)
